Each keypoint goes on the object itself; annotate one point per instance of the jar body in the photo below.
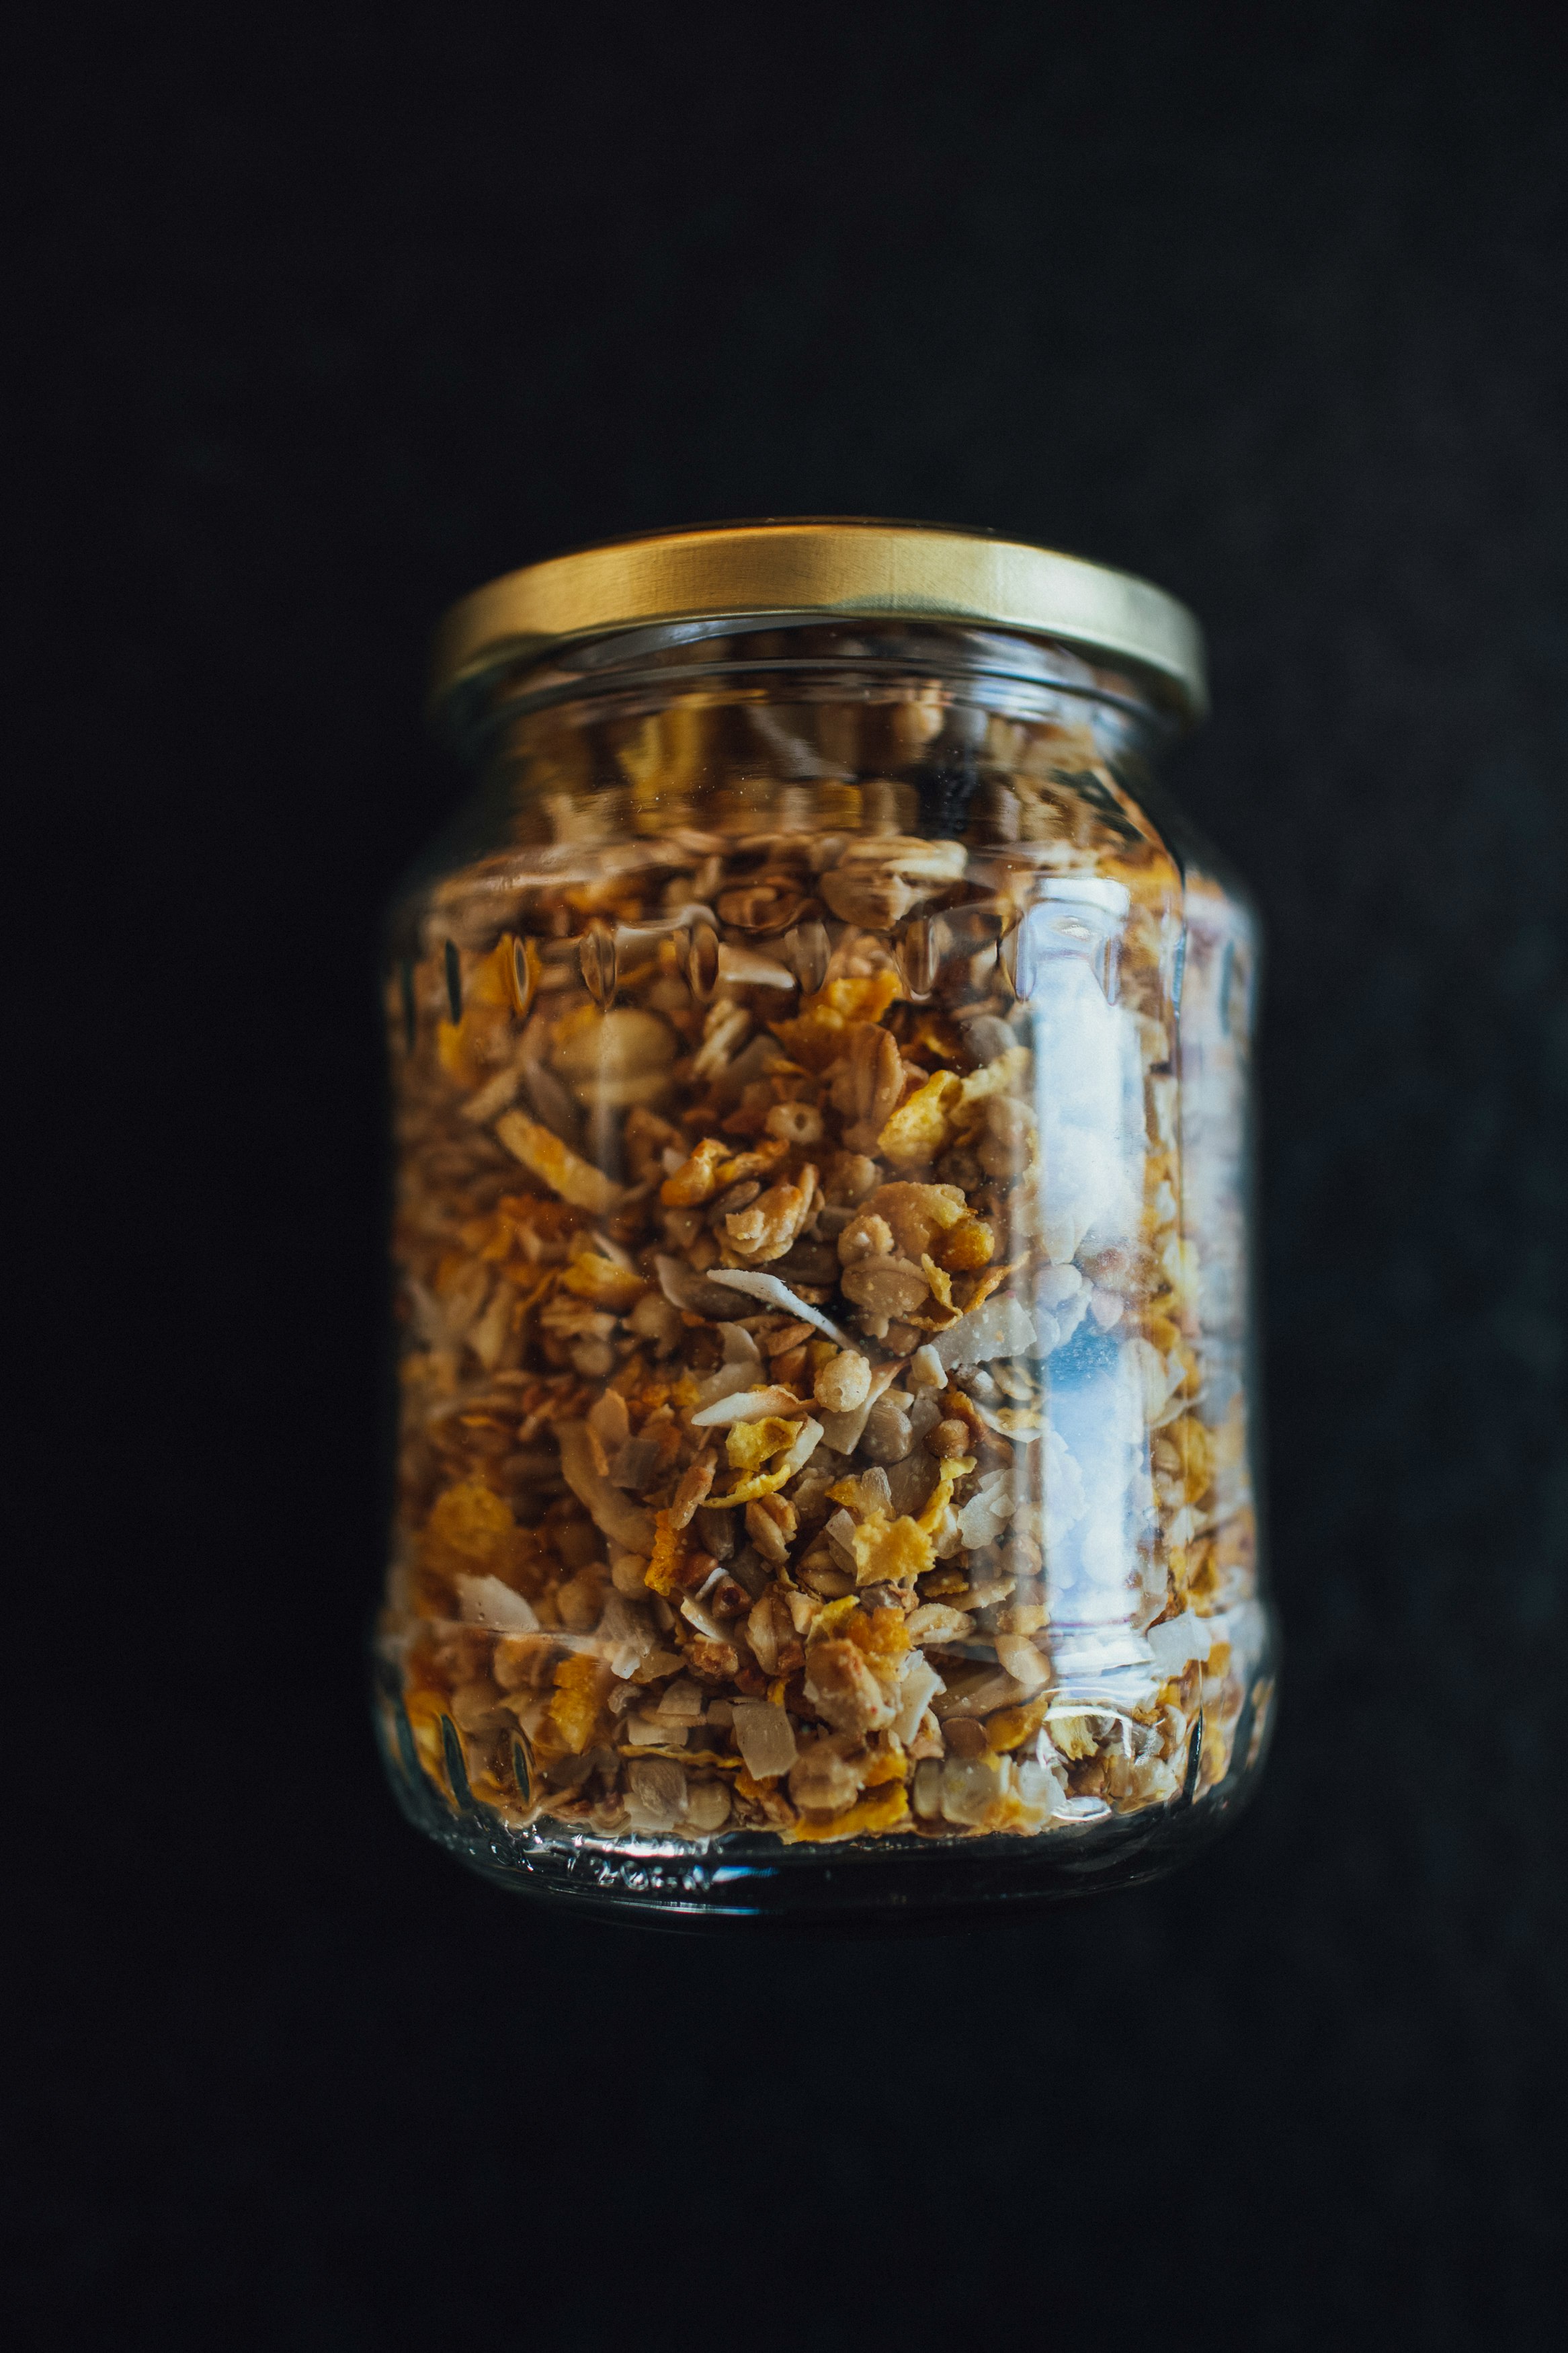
(826, 1477)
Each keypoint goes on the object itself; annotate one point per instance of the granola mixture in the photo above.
(823, 1410)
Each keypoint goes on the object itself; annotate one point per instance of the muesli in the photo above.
(820, 1410)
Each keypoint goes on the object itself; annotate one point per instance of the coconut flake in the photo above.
(1176, 1642)
(801, 1451)
(746, 969)
(768, 1287)
(625, 1523)
(988, 1510)
(919, 1687)
(747, 1405)
(486, 1601)
(1000, 1326)
(765, 1737)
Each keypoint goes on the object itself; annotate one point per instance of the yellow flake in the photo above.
(1016, 1421)
(683, 1756)
(748, 1443)
(918, 1130)
(1011, 1726)
(562, 1170)
(949, 1472)
(992, 1279)
(811, 1040)
(914, 1214)
(891, 1551)
(574, 1710)
(882, 1813)
(969, 1246)
(833, 1616)
(857, 1000)
(940, 1311)
(667, 1550)
(605, 1282)
(471, 1532)
(892, 1765)
(882, 1637)
(749, 1491)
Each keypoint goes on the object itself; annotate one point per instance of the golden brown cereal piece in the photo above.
(796, 1124)
(600, 1280)
(772, 1632)
(768, 1228)
(851, 1176)
(697, 1178)
(843, 1382)
(915, 1216)
(712, 1662)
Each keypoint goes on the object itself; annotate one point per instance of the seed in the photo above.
(920, 949)
(519, 976)
(599, 959)
(810, 951)
(698, 949)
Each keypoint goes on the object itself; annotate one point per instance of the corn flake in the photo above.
(538, 1149)
(949, 1472)
(749, 1443)
(579, 1691)
(918, 1130)
(665, 1560)
(882, 1813)
(891, 1551)
(883, 1637)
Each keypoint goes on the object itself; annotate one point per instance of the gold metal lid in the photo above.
(851, 568)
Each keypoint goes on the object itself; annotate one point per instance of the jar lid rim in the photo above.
(823, 568)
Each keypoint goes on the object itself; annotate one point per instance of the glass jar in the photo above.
(826, 1479)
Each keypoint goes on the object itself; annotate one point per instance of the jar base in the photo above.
(861, 1887)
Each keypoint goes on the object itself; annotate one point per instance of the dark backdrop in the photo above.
(332, 314)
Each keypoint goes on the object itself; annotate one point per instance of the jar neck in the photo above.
(967, 675)
(853, 727)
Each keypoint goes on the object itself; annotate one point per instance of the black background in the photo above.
(332, 314)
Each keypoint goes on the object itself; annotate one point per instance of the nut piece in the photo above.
(826, 1779)
(843, 1383)
(887, 1436)
(842, 1688)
